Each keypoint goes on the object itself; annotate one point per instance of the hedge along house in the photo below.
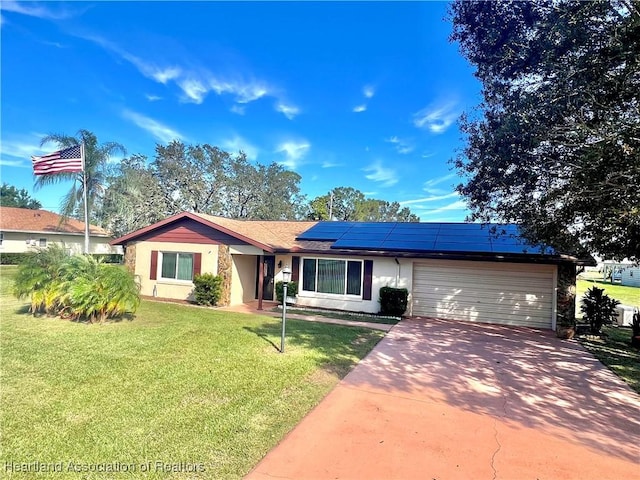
(457, 271)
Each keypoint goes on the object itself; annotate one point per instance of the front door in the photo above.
(269, 272)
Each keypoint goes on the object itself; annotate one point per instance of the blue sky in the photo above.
(362, 94)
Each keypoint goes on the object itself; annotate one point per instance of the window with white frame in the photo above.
(177, 266)
(1, 238)
(329, 275)
(42, 243)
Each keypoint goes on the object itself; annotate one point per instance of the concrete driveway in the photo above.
(446, 400)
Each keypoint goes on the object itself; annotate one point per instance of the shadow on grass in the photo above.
(613, 348)
(339, 348)
(263, 336)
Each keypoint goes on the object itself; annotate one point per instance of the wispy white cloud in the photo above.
(14, 163)
(430, 185)
(158, 130)
(244, 91)
(237, 143)
(160, 75)
(368, 91)
(432, 198)
(437, 118)
(25, 146)
(289, 111)
(457, 205)
(153, 98)
(239, 109)
(197, 82)
(402, 146)
(386, 176)
(329, 164)
(437, 181)
(194, 90)
(33, 9)
(294, 152)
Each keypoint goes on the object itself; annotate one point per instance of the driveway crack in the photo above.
(495, 433)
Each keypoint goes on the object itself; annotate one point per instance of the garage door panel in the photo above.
(513, 294)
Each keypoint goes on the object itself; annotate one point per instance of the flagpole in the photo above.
(86, 205)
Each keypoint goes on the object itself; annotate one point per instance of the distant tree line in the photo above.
(206, 179)
(10, 196)
(137, 191)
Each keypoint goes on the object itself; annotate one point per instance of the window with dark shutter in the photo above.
(153, 271)
(368, 279)
(197, 264)
(295, 269)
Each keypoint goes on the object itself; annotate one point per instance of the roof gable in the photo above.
(270, 236)
(42, 221)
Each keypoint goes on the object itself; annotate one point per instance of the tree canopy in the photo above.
(199, 179)
(349, 204)
(10, 196)
(555, 143)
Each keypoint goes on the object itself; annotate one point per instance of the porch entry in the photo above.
(269, 271)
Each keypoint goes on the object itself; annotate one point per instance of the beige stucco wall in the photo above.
(386, 273)
(16, 242)
(175, 289)
(243, 280)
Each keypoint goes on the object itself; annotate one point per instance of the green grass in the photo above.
(614, 350)
(354, 317)
(626, 295)
(177, 384)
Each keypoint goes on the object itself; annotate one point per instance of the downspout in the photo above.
(398, 272)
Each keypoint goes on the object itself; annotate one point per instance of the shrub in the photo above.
(393, 301)
(78, 287)
(38, 276)
(93, 290)
(108, 257)
(292, 290)
(208, 289)
(12, 258)
(598, 308)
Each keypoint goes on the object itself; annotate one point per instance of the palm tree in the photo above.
(96, 158)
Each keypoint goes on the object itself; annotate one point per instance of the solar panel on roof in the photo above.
(426, 237)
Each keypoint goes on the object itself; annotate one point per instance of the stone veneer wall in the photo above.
(225, 266)
(130, 257)
(566, 296)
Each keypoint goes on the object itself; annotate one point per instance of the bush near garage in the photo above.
(393, 301)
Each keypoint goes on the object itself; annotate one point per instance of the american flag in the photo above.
(68, 160)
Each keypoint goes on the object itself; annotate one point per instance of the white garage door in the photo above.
(506, 293)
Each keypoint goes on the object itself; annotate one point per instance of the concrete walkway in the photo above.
(267, 310)
(447, 400)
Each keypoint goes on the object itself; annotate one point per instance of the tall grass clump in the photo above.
(77, 287)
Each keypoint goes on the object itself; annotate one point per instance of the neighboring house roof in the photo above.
(14, 219)
(426, 240)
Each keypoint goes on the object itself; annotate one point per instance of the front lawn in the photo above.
(615, 351)
(626, 295)
(203, 393)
